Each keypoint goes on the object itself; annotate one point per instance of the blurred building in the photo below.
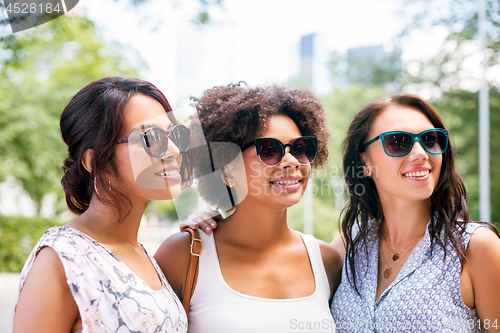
(310, 64)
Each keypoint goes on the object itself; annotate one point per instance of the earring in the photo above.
(95, 187)
(367, 172)
(230, 183)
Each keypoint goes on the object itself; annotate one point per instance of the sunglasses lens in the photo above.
(397, 144)
(435, 142)
(269, 152)
(181, 138)
(156, 141)
(304, 150)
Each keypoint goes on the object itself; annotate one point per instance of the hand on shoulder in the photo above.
(203, 220)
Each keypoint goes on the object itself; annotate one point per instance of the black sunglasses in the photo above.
(400, 143)
(155, 139)
(271, 150)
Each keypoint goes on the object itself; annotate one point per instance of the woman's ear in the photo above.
(227, 176)
(367, 172)
(87, 159)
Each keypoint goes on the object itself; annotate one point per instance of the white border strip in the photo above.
(64, 6)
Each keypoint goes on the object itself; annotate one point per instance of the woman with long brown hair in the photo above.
(414, 261)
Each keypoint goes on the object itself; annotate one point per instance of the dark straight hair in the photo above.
(448, 201)
(94, 119)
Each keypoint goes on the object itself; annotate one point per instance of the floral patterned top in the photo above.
(110, 297)
(424, 297)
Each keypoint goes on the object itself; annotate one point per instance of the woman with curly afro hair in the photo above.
(255, 273)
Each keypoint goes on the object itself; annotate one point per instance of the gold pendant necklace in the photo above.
(396, 257)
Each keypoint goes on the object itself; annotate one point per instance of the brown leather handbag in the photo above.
(196, 246)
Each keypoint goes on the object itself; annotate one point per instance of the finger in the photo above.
(196, 222)
(188, 224)
(206, 217)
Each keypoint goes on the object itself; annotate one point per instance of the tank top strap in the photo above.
(318, 268)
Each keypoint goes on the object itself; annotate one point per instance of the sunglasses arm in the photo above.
(371, 141)
(137, 137)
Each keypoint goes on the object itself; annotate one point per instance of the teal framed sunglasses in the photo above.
(400, 143)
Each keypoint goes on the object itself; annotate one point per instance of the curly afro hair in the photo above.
(237, 113)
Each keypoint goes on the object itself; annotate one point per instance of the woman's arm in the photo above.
(173, 258)
(45, 303)
(333, 265)
(483, 267)
(338, 244)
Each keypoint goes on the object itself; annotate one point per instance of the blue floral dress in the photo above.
(110, 297)
(424, 297)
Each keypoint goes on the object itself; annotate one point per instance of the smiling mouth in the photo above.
(286, 182)
(417, 174)
(167, 173)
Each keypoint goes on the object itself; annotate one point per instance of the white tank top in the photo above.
(217, 308)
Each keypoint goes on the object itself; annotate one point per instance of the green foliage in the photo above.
(40, 70)
(164, 208)
(18, 236)
(378, 71)
(460, 16)
(340, 107)
(460, 113)
(325, 219)
(449, 72)
(201, 18)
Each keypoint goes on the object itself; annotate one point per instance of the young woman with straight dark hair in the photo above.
(414, 260)
(125, 148)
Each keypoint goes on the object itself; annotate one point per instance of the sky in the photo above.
(252, 41)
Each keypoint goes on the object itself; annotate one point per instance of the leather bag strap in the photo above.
(196, 246)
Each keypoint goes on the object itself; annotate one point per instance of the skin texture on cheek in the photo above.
(285, 182)
(388, 172)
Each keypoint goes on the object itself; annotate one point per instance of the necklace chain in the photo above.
(396, 257)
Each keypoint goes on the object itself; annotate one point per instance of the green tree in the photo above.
(328, 186)
(201, 17)
(40, 70)
(452, 73)
(460, 112)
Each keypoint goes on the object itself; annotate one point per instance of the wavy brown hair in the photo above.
(448, 201)
(94, 119)
(237, 113)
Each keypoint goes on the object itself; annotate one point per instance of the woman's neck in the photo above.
(404, 221)
(260, 228)
(103, 224)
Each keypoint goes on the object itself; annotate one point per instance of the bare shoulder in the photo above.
(483, 242)
(173, 258)
(338, 243)
(45, 303)
(483, 267)
(328, 251)
(176, 244)
(332, 260)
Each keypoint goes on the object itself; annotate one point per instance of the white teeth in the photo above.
(286, 182)
(417, 173)
(167, 173)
